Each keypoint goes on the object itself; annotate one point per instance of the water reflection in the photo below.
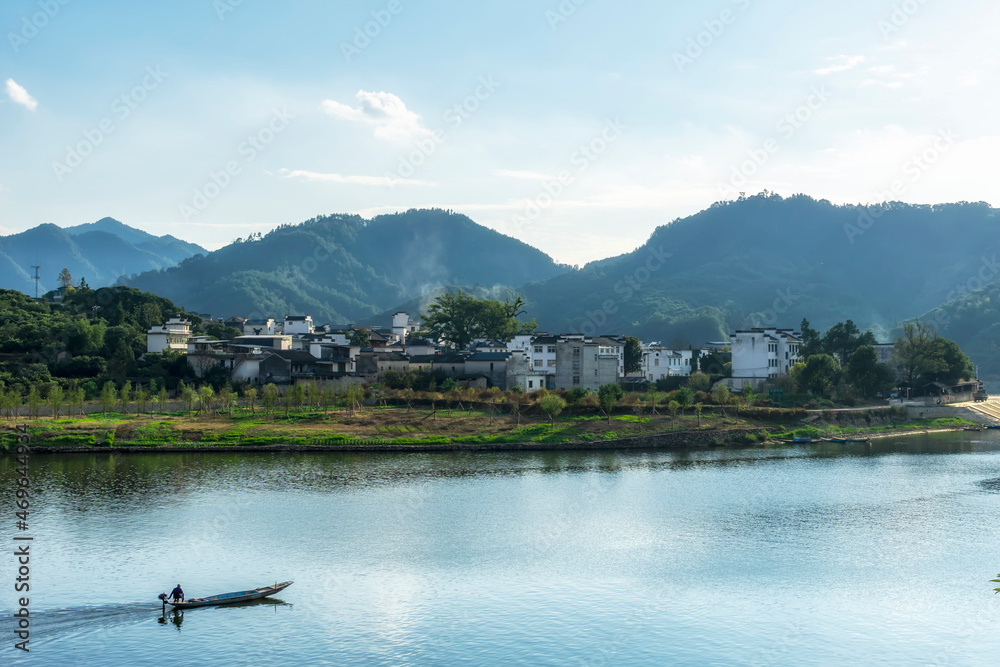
(174, 617)
(835, 553)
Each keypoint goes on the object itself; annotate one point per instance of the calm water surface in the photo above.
(822, 554)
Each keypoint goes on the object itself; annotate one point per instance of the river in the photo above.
(818, 554)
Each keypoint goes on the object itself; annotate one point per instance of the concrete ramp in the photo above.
(989, 408)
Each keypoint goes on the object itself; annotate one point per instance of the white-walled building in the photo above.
(760, 354)
(403, 326)
(170, 336)
(659, 362)
(298, 324)
(260, 327)
(540, 350)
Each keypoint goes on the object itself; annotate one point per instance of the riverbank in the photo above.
(396, 430)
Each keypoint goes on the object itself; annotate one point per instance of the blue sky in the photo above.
(576, 126)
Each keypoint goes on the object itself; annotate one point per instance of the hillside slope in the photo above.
(344, 268)
(767, 260)
(973, 321)
(99, 252)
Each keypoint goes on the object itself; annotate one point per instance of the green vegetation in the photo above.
(354, 268)
(973, 320)
(309, 415)
(920, 357)
(458, 318)
(91, 337)
(772, 261)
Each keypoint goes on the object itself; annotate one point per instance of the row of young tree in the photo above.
(124, 399)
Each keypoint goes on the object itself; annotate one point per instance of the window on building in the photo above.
(576, 380)
(552, 349)
(531, 384)
(657, 363)
(552, 363)
(538, 363)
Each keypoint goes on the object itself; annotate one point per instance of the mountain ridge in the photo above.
(345, 268)
(99, 252)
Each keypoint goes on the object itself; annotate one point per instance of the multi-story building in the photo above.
(298, 324)
(173, 335)
(403, 326)
(760, 354)
(588, 363)
(659, 362)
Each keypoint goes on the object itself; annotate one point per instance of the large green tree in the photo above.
(914, 354)
(820, 375)
(866, 374)
(633, 354)
(457, 318)
(843, 338)
(812, 342)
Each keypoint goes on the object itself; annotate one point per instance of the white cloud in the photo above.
(318, 177)
(844, 63)
(19, 95)
(385, 111)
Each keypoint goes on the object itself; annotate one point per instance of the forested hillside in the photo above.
(98, 252)
(767, 260)
(344, 268)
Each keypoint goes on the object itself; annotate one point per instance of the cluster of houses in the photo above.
(297, 349)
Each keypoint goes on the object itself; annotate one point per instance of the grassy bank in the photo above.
(374, 426)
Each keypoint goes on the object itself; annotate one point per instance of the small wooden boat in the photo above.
(228, 598)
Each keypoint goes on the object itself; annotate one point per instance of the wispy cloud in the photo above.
(385, 111)
(19, 95)
(842, 64)
(314, 176)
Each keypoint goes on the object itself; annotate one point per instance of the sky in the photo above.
(577, 126)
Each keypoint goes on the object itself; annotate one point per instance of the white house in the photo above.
(659, 362)
(403, 326)
(260, 327)
(760, 354)
(170, 336)
(298, 324)
(540, 350)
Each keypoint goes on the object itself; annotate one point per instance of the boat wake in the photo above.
(991, 485)
(76, 621)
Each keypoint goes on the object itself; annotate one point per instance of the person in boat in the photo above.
(177, 594)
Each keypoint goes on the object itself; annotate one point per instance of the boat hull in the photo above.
(231, 598)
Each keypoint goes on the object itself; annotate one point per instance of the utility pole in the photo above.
(36, 277)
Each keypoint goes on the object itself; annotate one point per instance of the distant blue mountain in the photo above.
(99, 252)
